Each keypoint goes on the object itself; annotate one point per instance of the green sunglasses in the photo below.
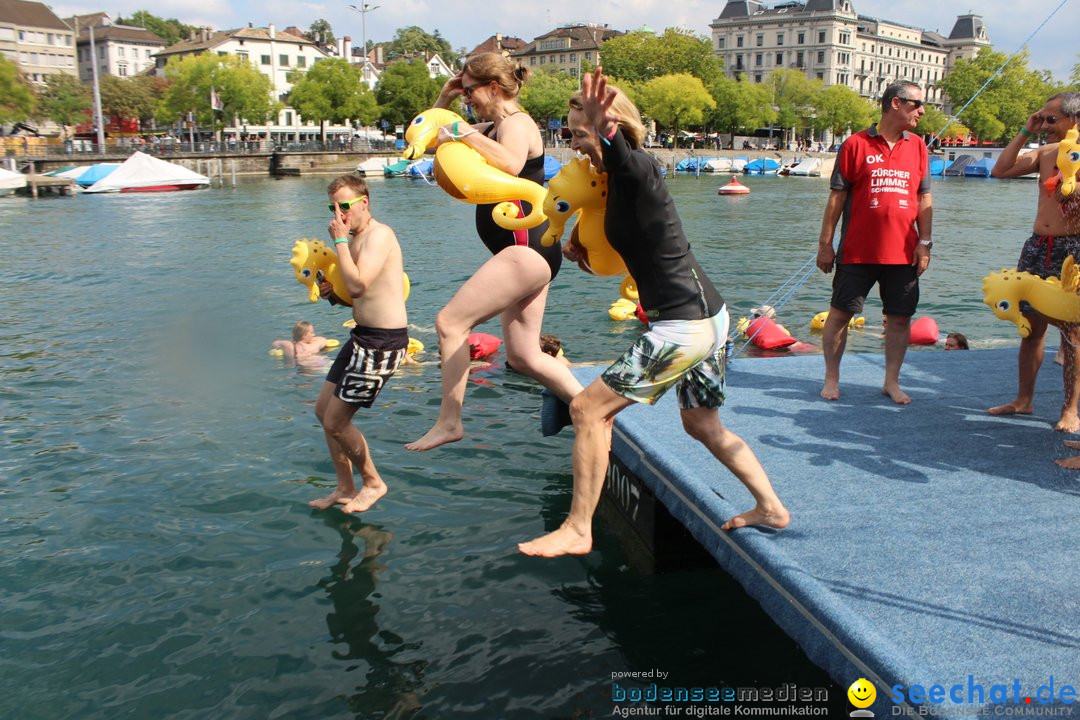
(345, 206)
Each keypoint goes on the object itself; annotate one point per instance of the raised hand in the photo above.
(596, 100)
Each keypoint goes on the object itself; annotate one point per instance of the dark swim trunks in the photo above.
(366, 362)
(1043, 255)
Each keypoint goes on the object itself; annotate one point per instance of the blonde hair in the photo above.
(300, 329)
(353, 182)
(489, 66)
(625, 110)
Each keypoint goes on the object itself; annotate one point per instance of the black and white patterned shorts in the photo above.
(366, 363)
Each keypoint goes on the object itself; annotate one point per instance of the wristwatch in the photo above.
(928, 243)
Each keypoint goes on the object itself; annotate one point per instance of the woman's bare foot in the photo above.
(1072, 463)
(365, 498)
(898, 396)
(830, 390)
(1069, 422)
(1014, 408)
(564, 541)
(776, 518)
(436, 436)
(338, 497)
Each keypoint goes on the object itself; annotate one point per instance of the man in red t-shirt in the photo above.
(881, 186)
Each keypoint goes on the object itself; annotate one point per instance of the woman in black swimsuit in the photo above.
(514, 282)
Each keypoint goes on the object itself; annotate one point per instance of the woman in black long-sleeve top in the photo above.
(688, 324)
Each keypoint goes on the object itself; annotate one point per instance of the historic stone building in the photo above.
(829, 41)
(32, 36)
(565, 48)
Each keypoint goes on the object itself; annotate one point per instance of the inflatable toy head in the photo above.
(577, 187)
(1055, 298)
(1068, 161)
(312, 261)
(424, 128)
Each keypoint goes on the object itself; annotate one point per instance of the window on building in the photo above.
(799, 58)
(845, 38)
(543, 59)
(101, 52)
(588, 56)
(301, 61)
(283, 60)
(739, 41)
(821, 76)
(738, 62)
(121, 70)
(779, 38)
(7, 33)
(758, 60)
(779, 59)
(821, 56)
(821, 36)
(221, 53)
(532, 60)
(149, 54)
(801, 38)
(288, 117)
(120, 51)
(719, 43)
(562, 58)
(265, 59)
(573, 57)
(757, 77)
(760, 40)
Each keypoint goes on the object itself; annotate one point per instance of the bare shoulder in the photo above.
(381, 234)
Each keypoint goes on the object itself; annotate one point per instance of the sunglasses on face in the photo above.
(917, 103)
(1050, 119)
(467, 91)
(345, 206)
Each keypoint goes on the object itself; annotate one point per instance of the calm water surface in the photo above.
(159, 560)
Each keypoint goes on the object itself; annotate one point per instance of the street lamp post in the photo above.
(364, 9)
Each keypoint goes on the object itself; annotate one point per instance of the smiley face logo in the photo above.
(862, 693)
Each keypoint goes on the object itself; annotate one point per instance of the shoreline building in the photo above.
(829, 41)
(39, 42)
(122, 50)
(275, 53)
(565, 48)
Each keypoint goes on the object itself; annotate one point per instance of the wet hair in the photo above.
(961, 340)
(1070, 103)
(352, 182)
(550, 344)
(489, 66)
(624, 109)
(300, 329)
(893, 91)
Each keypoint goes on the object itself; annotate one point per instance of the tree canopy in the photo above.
(332, 91)
(642, 55)
(244, 91)
(405, 89)
(741, 105)
(999, 111)
(131, 97)
(321, 33)
(842, 110)
(170, 30)
(17, 99)
(676, 100)
(408, 41)
(544, 96)
(64, 99)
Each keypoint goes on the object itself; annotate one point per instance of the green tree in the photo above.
(17, 99)
(999, 111)
(642, 55)
(131, 97)
(842, 110)
(404, 89)
(544, 96)
(65, 100)
(676, 101)
(794, 96)
(332, 91)
(244, 91)
(321, 33)
(171, 30)
(934, 121)
(408, 41)
(740, 105)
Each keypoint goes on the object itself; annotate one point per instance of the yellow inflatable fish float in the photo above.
(1056, 298)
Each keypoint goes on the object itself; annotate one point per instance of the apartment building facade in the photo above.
(275, 54)
(829, 41)
(32, 36)
(120, 50)
(567, 48)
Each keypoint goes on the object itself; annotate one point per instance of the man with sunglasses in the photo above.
(371, 265)
(881, 186)
(1053, 239)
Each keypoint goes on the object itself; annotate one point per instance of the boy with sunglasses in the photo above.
(1053, 238)
(371, 265)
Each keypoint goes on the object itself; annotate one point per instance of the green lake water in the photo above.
(158, 558)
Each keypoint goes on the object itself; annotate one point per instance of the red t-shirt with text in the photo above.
(883, 187)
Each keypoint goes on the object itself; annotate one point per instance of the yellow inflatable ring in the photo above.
(276, 352)
(331, 343)
(623, 309)
(415, 346)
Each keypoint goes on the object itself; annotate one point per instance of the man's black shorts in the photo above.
(898, 286)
